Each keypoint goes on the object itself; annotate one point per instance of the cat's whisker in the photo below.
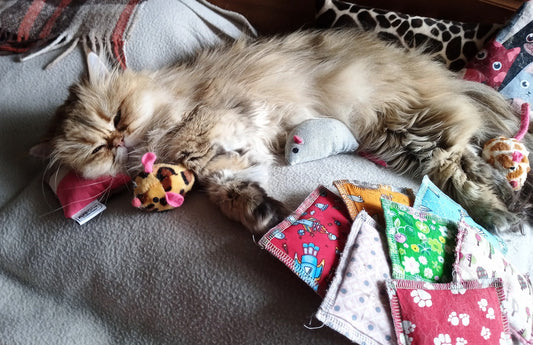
(62, 207)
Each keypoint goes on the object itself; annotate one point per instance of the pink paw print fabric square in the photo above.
(310, 240)
(467, 313)
(356, 304)
(476, 257)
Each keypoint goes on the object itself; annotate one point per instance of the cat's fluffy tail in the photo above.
(473, 183)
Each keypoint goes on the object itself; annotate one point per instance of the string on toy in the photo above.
(310, 327)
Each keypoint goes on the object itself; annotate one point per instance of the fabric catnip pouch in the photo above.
(310, 240)
(466, 313)
(477, 258)
(366, 196)
(420, 244)
(356, 304)
(431, 199)
(80, 197)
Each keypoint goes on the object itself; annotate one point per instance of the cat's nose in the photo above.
(118, 141)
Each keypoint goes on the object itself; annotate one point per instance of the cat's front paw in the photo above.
(266, 215)
(195, 160)
(248, 203)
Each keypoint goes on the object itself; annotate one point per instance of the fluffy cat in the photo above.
(225, 112)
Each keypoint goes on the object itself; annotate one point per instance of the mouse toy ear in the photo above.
(148, 161)
(97, 69)
(174, 199)
(297, 140)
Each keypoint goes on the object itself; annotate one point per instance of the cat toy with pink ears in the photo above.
(509, 155)
(161, 187)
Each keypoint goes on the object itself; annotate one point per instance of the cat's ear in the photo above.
(42, 150)
(97, 68)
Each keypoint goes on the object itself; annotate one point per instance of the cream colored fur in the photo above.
(225, 112)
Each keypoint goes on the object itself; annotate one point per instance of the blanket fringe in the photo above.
(62, 55)
(91, 42)
(39, 28)
(59, 42)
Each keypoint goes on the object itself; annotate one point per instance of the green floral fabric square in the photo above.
(421, 244)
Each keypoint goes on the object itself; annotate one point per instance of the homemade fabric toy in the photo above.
(420, 244)
(307, 142)
(517, 34)
(452, 42)
(506, 63)
(359, 196)
(161, 187)
(477, 258)
(79, 197)
(470, 312)
(309, 241)
(509, 155)
(491, 64)
(431, 199)
(356, 303)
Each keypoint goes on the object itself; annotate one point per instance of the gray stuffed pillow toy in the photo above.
(318, 138)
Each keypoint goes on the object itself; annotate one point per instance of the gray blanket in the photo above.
(189, 276)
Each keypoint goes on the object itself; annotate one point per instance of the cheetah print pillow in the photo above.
(453, 43)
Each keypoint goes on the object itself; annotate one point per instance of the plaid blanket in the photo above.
(34, 27)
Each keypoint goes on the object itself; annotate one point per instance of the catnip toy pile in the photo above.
(393, 269)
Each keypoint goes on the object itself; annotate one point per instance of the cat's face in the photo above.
(104, 117)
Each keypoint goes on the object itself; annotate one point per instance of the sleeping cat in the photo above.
(225, 112)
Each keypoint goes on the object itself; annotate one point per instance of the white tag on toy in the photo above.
(89, 212)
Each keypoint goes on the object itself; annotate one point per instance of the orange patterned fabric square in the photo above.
(360, 196)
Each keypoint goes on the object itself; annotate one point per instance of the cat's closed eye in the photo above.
(96, 150)
(117, 118)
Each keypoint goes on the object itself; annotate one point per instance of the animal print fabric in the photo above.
(359, 196)
(454, 43)
(449, 314)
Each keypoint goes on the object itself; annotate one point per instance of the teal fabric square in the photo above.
(431, 199)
